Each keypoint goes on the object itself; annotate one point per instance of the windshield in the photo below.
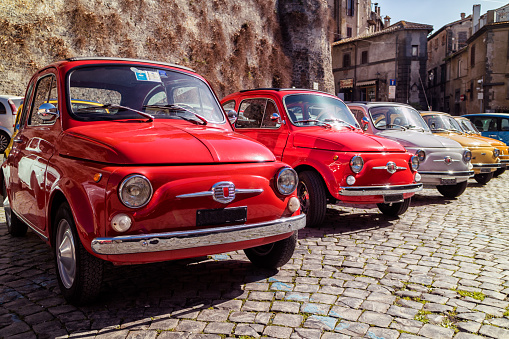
(315, 109)
(397, 117)
(467, 126)
(110, 92)
(440, 123)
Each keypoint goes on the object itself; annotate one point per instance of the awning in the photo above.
(365, 83)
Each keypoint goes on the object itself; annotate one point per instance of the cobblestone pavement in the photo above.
(440, 271)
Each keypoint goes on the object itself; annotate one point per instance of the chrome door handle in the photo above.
(17, 140)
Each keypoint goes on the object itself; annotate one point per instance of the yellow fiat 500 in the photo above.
(485, 157)
(469, 128)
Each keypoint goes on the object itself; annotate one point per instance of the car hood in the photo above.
(410, 138)
(465, 141)
(344, 140)
(160, 142)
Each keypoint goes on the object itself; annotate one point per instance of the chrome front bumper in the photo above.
(379, 190)
(143, 243)
(495, 165)
(446, 174)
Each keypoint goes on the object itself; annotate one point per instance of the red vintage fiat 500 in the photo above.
(134, 162)
(318, 136)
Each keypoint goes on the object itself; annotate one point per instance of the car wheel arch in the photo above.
(56, 199)
(305, 167)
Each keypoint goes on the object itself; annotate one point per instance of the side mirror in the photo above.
(275, 117)
(47, 112)
(365, 123)
(232, 116)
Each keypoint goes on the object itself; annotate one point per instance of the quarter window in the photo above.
(256, 113)
(46, 92)
(2, 109)
(228, 106)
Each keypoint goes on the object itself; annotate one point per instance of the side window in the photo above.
(2, 109)
(493, 124)
(269, 110)
(504, 124)
(358, 114)
(229, 105)
(46, 91)
(251, 113)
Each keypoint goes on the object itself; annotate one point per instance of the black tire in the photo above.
(483, 178)
(79, 273)
(15, 226)
(313, 198)
(273, 255)
(394, 209)
(498, 172)
(453, 191)
(5, 139)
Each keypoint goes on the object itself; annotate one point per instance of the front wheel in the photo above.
(5, 139)
(498, 172)
(273, 255)
(312, 197)
(452, 191)
(79, 273)
(394, 209)
(483, 178)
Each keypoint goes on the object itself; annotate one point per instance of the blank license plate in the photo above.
(447, 181)
(393, 198)
(485, 170)
(221, 216)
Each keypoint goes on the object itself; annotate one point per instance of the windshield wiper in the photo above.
(352, 127)
(107, 106)
(318, 122)
(176, 108)
(396, 125)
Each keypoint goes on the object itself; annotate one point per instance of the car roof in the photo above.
(128, 59)
(376, 103)
(486, 115)
(6, 97)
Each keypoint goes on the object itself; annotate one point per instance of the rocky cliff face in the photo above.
(235, 45)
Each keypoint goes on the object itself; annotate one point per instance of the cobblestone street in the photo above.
(440, 271)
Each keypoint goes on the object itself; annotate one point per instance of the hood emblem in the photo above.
(448, 160)
(223, 192)
(391, 167)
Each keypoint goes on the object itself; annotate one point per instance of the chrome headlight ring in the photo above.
(287, 180)
(421, 155)
(467, 155)
(414, 162)
(496, 153)
(356, 163)
(135, 191)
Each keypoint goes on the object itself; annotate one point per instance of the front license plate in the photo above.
(448, 181)
(221, 216)
(393, 198)
(485, 170)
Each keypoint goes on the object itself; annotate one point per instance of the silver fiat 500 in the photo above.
(444, 163)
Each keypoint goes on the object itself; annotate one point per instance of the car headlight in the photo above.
(496, 153)
(356, 164)
(414, 162)
(287, 180)
(135, 191)
(421, 155)
(467, 155)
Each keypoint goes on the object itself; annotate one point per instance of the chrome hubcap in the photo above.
(66, 254)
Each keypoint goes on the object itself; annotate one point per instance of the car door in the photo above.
(32, 149)
(256, 121)
(504, 130)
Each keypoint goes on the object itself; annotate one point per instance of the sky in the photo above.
(433, 12)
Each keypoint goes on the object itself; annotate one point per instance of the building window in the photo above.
(443, 40)
(346, 60)
(459, 69)
(349, 32)
(462, 39)
(472, 56)
(364, 57)
(415, 50)
(349, 7)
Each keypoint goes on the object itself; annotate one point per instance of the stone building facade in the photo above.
(470, 75)
(352, 18)
(389, 65)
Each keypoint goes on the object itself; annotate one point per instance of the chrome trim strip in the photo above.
(157, 242)
(447, 174)
(452, 160)
(497, 165)
(379, 190)
(39, 233)
(385, 168)
(211, 193)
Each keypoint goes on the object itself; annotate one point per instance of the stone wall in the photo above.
(235, 45)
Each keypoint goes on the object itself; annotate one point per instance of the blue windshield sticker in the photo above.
(163, 73)
(141, 75)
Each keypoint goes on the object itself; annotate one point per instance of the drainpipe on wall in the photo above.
(358, 18)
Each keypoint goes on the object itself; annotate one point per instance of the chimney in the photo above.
(462, 16)
(491, 17)
(387, 21)
(476, 14)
